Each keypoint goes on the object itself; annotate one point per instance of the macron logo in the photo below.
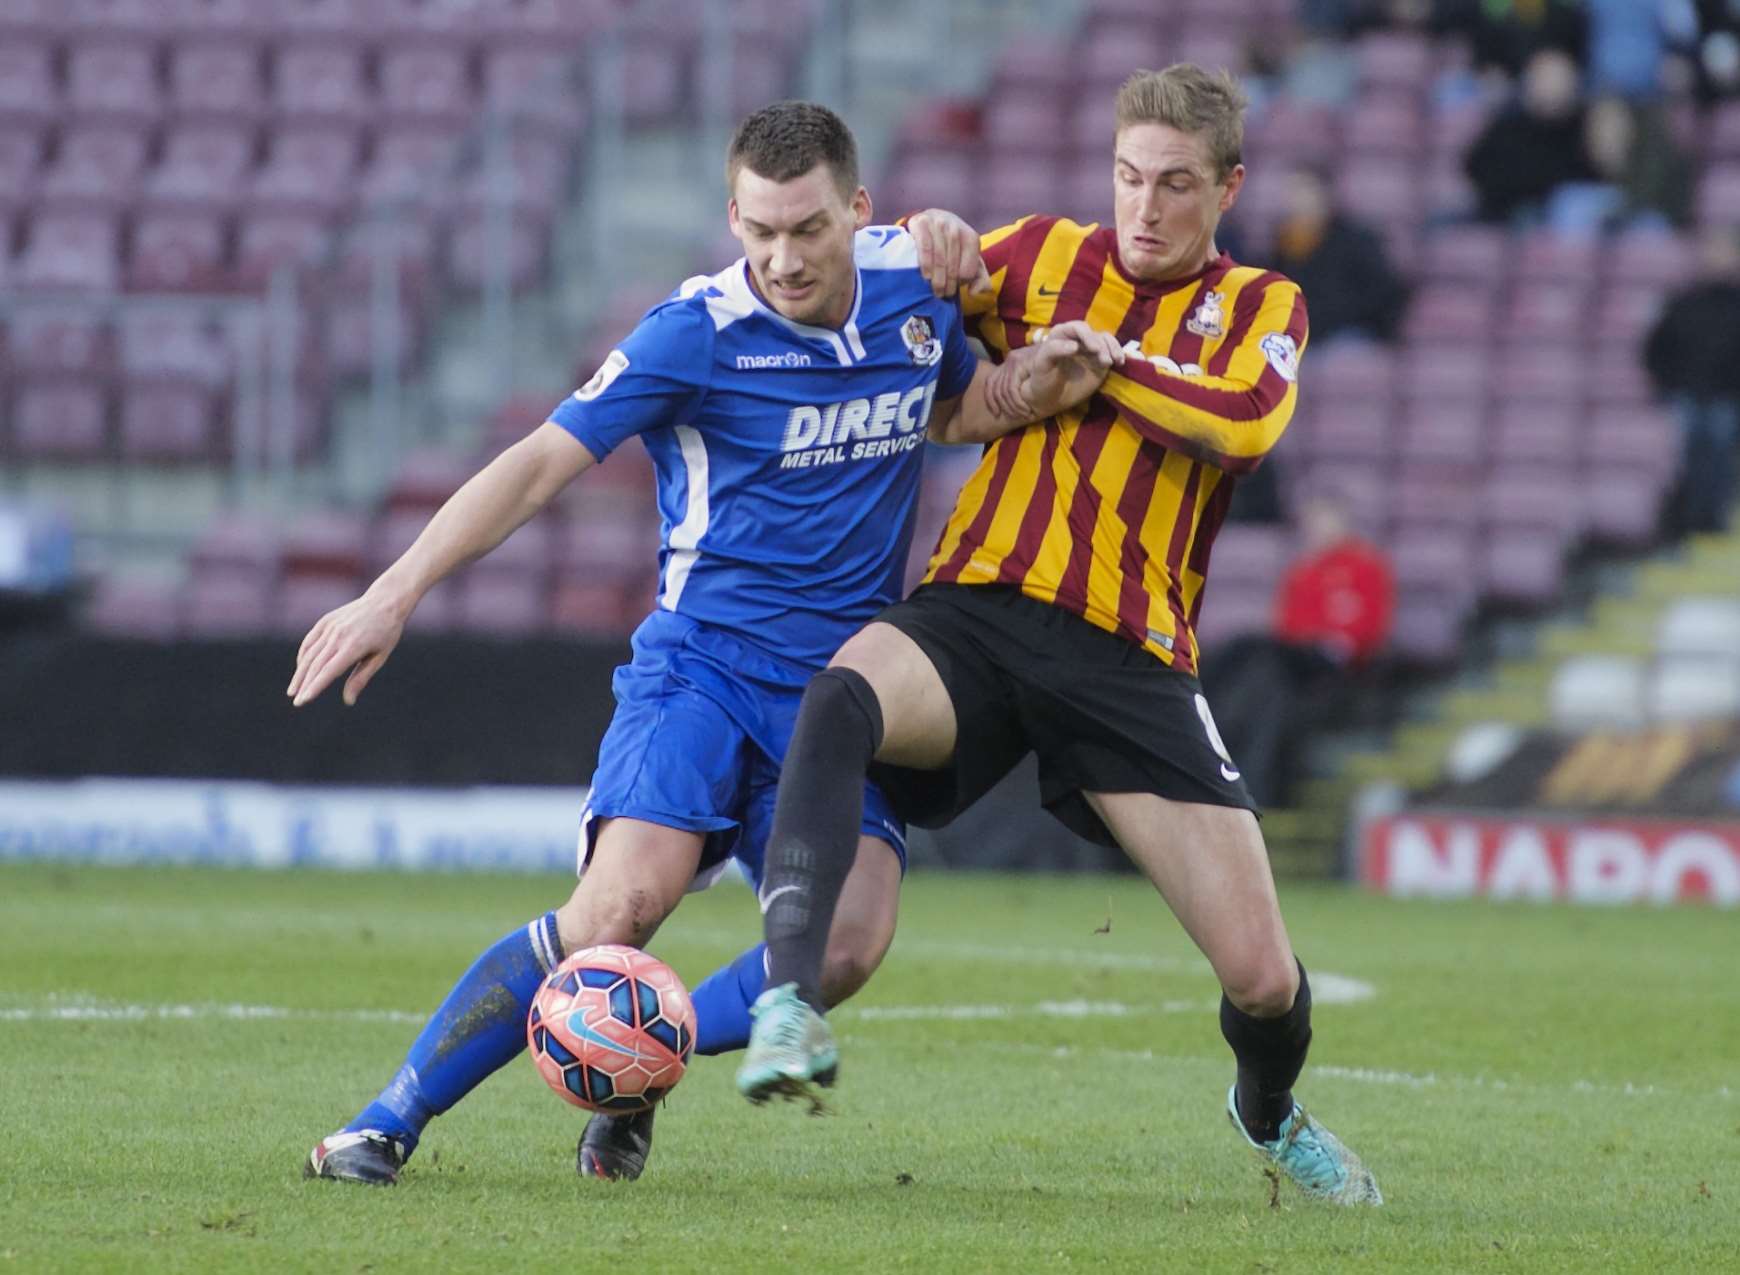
(791, 358)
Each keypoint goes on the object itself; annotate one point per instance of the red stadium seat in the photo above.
(1395, 60)
(74, 252)
(28, 90)
(1542, 372)
(1428, 627)
(1434, 560)
(302, 599)
(224, 602)
(425, 480)
(339, 21)
(1533, 433)
(1542, 502)
(504, 605)
(177, 345)
(270, 240)
(1718, 202)
(174, 252)
(320, 83)
(167, 421)
(307, 170)
(214, 19)
(22, 20)
(1380, 189)
(1546, 255)
(595, 610)
(1455, 254)
(21, 150)
(203, 168)
(513, 25)
(426, 85)
(216, 82)
(539, 86)
(107, 19)
(60, 420)
(468, 250)
(59, 343)
(135, 608)
(1521, 568)
(1624, 506)
(110, 81)
(1548, 311)
(97, 170)
(1354, 370)
(1443, 371)
(240, 543)
(1386, 123)
(1647, 257)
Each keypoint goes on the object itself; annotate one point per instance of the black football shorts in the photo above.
(1102, 714)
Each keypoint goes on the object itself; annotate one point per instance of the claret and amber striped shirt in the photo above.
(1109, 510)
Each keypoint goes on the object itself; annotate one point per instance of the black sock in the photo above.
(1270, 1053)
(815, 825)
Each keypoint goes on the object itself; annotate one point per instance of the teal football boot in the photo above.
(791, 1050)
(1313, 1157)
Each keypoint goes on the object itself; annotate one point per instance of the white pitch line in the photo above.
(86, 1013)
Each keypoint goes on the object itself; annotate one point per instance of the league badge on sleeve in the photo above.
(921, 342)
(612, 367)
(1282, 352)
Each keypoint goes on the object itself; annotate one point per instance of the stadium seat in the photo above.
(410, 163)
(177, 251)
(155, 344)
(437, 611)
(29, 93)
(1386, 123)
(302, 599)
(426, 85)
(1699, 626)
(214, 19)
(538, 168)
(1354, 369)
(202, 168)
(60, 420)
(1722, 132)
(320, 83)
(1384, 189)
(1539, 433)
(1443, 436)
(1015, 187)
(107, 19)
(97, 169)
(113, 82)
(1434, 561)
(74, 252)
(1034, 61)
(425, 479)
(326, 543)
(1020, 126)
(1547, 255)
(216, 83)
(1647, 257)
(31, 20)
(1541, 372)
(597, 546)
(59, 343)
(1623, 505)
(342, 22)
(1718, 200)
(1352, 429)
(1625, 313)
(594, 609)
(166, 421)
(1591, 692)
(1542, 502)
(1434, 495)
(222, 602)
(504, 605)
(538, 86)
(1396, 60)
(468, 255)
(1456, 253)
(1455, 314)
(1249, 555)
(1647, 440)
(134, 608)
(270, 240)
(1230, 611)
(1444, 370)
(539, 25)
(1522, 568)
(238, 543)
(307, 170)
(1694, 688)
(21, 152)
(1546, 312)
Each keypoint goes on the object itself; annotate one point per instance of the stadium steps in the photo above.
(1620, 620)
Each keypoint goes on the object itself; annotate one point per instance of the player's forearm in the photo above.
(490, 507)
(992, 406)
(1226, 424)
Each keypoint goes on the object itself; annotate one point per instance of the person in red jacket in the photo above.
(1333, 612)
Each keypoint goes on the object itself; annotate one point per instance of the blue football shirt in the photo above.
(787, 456)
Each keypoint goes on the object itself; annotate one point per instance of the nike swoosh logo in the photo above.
(1044, 291)
(1226, 772)
(767, 899)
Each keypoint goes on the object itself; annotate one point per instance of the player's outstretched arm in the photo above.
(360, 635)
(1034, 382)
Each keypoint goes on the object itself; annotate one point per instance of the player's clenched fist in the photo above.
(357, 637)
(1066, 364)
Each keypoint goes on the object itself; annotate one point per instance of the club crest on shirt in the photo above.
(921, 342)
(1208, 320)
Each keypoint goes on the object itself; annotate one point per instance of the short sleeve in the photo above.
(656, 377)
(958, 360)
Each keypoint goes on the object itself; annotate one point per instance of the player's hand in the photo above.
(948, 253)
(357, 638)
(1068, 365)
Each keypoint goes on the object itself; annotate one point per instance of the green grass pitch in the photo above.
(1535, 1088)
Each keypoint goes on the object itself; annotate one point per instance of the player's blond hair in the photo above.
(1191, 100)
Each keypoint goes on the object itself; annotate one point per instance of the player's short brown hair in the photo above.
(784, 141)
(1191, 100)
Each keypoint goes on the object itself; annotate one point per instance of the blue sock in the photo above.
(722, 1002)
(480, 1027)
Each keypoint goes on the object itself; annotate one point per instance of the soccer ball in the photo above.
(611, 1029)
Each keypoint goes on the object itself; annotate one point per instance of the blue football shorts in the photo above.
(702, 723)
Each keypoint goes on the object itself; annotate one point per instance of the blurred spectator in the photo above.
(1693, 356)
(1627, 42)
(1507, 35)
(1535, 145)
(1333, 612)
(1705, 36)
(1339, 263)
(1647, 178)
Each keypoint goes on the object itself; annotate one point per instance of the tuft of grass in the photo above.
(1537, 1089)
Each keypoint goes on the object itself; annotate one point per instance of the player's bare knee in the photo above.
(1262, 988)
(629, 915)
(851, 959)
